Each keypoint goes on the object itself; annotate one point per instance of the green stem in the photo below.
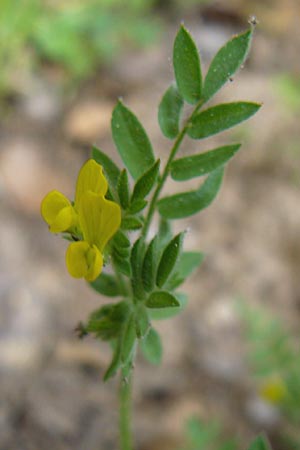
(125, 413)
(166, 171)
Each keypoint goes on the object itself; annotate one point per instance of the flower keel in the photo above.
(84, 260)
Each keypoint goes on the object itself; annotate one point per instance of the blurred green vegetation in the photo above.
(274, 356)
(78, 36)
(203, 435)
(287, 87)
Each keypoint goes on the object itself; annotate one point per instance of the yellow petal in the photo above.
(63, 221)
(90, 178)
(52, 203)
(76, 259)
(84, 261)
(95, 263)
(99, 219)
(58, 212)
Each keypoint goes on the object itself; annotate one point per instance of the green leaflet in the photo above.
(150, 265)
(136, 259)
(137, 206)
(219, 118)
(169, 112)
(120, 246)
(131, 141)
(187, 67)
(161, 299)
(166, 313)
(128, 341)
(260, 443)
(187, 264)
(131, 223)
(142, 321)
(121, 240)
(164, 231)
(151, 347)
(168, 259)
(107, 285)
(226, 62)
(145, 183)
(197, 165)
(122, 252)
(186, 204)
(115, 362)
(121, 263)
(123, 189)
(111, 171)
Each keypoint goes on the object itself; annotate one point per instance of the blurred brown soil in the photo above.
(51, 389)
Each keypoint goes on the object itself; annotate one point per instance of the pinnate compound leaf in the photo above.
(187, 68)
(169, 259)
(123, 189)
(186, 204)
(169, 112)
(166, 313)
(106, 284)
(161, 299)
(131, 141)
(197, 165)
(260, 443)
(226, 62)
(219, 118)
(146, 182)
(151, 347)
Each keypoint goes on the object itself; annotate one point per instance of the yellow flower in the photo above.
(58, 211)
(273, 389)
(99, 220)
(93, 218)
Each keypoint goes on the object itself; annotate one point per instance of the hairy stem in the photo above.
(166, 171)
(125, 413)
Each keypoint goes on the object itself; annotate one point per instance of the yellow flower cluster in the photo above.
(92, 218)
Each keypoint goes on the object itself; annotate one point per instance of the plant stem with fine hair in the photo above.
(125, 412)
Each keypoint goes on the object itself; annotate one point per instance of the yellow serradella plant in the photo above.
(93, 218)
